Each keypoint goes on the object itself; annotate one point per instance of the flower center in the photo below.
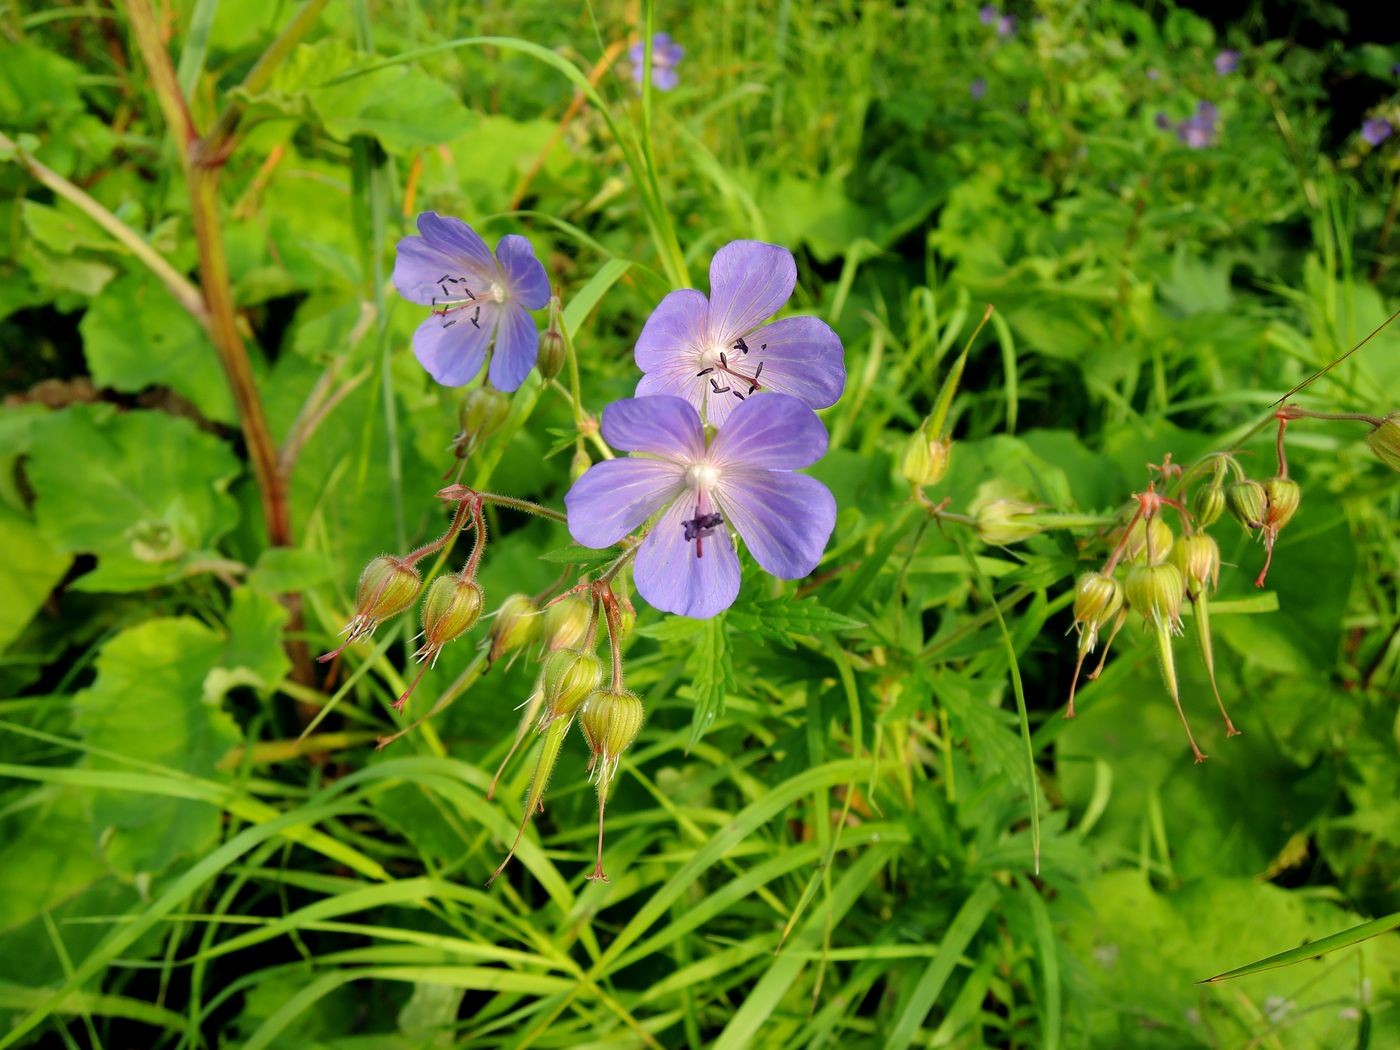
(726, 376)
(701, 477)
(457, 298)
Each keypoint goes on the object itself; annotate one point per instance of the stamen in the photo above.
(703, 372)
(739, 344)
(450, 323)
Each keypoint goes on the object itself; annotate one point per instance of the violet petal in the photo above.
(663, 426)
(615, 496)
(784, 519)
(517, 345)
(671, 578)
(749, 282)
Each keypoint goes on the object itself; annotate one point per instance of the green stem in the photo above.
(523, 505)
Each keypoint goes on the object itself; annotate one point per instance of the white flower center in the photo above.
(709, 357)
(497, 291)
(702, 476)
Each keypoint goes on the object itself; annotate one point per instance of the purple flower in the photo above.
(717, 352)
(1196, 133)
(1006, 25)
(978, 88)
(666, 55)
(477, 299)
(989, 14)
(1227, 62)
(1376, 130)
(1153, 73)
(743, 480)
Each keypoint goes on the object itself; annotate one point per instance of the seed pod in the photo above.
(1282, 496)
(484, 409)
(925, 457)
(514, 627)
(1156, 591)
(1247, 502)
(1208, 504)
(566, 622)
(1385, 441)
(1150, 539)
(550, 361)
(610, 720)
(1198, 558)
(569, 676)
(450, 610)
(387, 587)
(1097, 596)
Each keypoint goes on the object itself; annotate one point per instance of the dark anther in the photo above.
(450, 323)
(700, 526)
(714, 385)
(724, 361)
(764, 346)
(476, 317)
(739, 395)
(739, 344)
(703, 372)
(442, 278)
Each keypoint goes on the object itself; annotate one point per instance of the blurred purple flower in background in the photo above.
(1006, 25)
(978, 88)
(717, 352)
(1227, 62)
(666, 55)
(1376, 130)
(476, 299)
(1198, 131)
(743, 480)
(1153, 73)
(989, 14)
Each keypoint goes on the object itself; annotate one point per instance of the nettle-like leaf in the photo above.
(709, 665)
(143, 491)
(780, 619)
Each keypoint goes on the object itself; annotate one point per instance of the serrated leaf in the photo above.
(779, 619)
(143, 491)
(711, 674)
(581, 556)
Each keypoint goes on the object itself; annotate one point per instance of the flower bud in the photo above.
(566, 622)
(1208, 504)
(1097, 597)
(1002, 521)
(550, 361)
(387, 587)
(1385, 441)
(1198, 558)
(925, 458)
(1156, 591)
(569, 676)
(514, 627)
(1282, 497)
(1247, 502)
(610, 720)
(484, 409)
(450, 610)
(579, 465)
(1149, 535)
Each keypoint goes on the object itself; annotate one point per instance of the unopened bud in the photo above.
(1150, 539)
(566, 622)
(579, 465)
(550, 361)
(1247, 502)
(1003, 521)
(1198, 558)
(1282, 496)
(484, 409)
(1156, 591)
(569, 676)
(514, 627)
(450, 610)
(387, 587)
(1208, 504)
(1097, 597)
(925, 457)
(1385, 441)
(610, 720)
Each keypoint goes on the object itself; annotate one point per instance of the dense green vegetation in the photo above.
(854, 815)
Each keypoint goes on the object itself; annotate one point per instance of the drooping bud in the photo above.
(450, 610)
(579, 465)
(569, 676)
(1198, 558)
(925, 457)
(484, 409)
(387, 587)
(1155, 592)
(1385, 441)
(550, 361)
(514, 627)
(610, 720)
(1004, 521)
(566, 622)
(1247, 502)
(1097, 596)
(1207, 504)
(1282, 496)
(1150, 540)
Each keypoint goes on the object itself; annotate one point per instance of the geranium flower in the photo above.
(666, 55)
(477, 300)
(1376, 130)
(717, 352)
(1227, 62)
(742, 480)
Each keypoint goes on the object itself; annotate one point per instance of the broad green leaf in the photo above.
(148, 703)
(143, 491)
(29, 570)
(254, 654)
(136, 336)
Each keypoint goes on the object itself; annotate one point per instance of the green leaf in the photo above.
(254, 654)
(143, 491)
(136, 336)
(30, 569)
(147, 703)
(1313, 949)
(711, 674)
(778, 619)
(280, 570)
(581, 556)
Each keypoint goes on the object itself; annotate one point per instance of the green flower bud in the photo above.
(925, 458)
(387, 587)
(1156, 591)
(1144, 529)
(1002, 521)
(1247, 502)
(1208, 504)
(566, 622)
(1385, 441)
(569, 676)
(579, 465)
(1198, 558)
(550, 361)
(450, 610)
(1097, 597)
(610, 720)
(484, 409)
(514, 627)
(1282, 497)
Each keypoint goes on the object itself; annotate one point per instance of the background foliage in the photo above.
(825, 833)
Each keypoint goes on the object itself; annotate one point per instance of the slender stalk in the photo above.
(614, 641)
(459, 519)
